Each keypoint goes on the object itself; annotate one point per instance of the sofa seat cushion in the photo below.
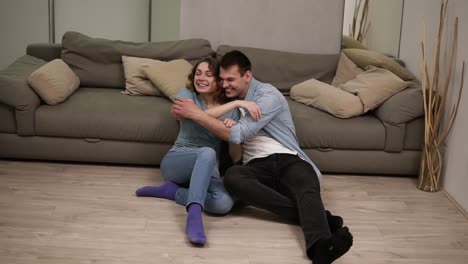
(318, 129)
(107, 114)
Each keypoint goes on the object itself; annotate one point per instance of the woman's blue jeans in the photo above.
(197, 169)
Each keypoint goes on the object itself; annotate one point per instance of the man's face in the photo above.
(233, 83)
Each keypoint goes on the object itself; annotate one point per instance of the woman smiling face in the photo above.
(204, 79)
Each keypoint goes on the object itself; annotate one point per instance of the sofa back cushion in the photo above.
(98, 62)
(284, 69)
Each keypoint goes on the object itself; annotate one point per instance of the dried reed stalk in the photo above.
(436, 81)
(360, 33)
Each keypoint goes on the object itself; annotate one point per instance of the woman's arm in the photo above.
(220, 110)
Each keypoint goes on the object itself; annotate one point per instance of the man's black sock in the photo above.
(327, 250)
(335, 222)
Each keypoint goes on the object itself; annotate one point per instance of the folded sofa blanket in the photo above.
(327, 98)
(355, 97)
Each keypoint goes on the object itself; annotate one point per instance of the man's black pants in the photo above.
(285, 185)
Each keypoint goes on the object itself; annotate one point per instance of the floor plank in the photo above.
(88, 213)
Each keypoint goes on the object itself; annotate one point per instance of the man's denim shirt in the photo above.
(276, 119)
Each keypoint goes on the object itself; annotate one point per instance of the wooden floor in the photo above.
(82, 213)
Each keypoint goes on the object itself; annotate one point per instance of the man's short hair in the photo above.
(238, 58)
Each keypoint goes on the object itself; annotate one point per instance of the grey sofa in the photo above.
(99, 124)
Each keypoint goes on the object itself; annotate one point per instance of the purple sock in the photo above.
(194, 227)
(167, 190)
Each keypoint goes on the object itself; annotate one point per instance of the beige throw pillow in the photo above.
(346, 70)
(363, 58)
(327, 98)
(374, 86)
(136, 82)
(169, 77)
(54, 81)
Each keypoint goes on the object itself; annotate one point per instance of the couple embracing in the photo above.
(274, 175)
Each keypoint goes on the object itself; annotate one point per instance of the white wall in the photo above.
(307, 26)
(111, 19)
(310, 26)
(21, 22)
(385, 23)
(348, 16)
(165, 20)
(455, 178)
(384, 31)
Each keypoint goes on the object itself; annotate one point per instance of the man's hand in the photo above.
(253, 109)
(185, 108)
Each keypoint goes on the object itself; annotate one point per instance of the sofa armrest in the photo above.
(44, 51)
(15, 92)
(402, 107)
(396, 112)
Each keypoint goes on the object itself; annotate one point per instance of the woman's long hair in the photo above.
(213, 65)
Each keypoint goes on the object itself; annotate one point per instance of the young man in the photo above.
(277, 175)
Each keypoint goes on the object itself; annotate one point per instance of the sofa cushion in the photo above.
(169, 77)
(98, 62)
(54, 81)
(363, 58)
(318, 129)
(346, 70)
(284, 69)
(136, 82)
(107, 114)
(327, 98)
(374, 86)
(45, 51)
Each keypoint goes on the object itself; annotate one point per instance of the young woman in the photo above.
(190, 168)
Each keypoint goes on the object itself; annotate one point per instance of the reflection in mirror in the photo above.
(380, 27)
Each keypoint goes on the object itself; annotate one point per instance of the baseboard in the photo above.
(455, 203)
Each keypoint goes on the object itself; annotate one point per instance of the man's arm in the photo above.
(246, 127)
(220, 110)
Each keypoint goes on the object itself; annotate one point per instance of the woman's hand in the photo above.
(184, 109)
(252, 107)
(228, 122)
